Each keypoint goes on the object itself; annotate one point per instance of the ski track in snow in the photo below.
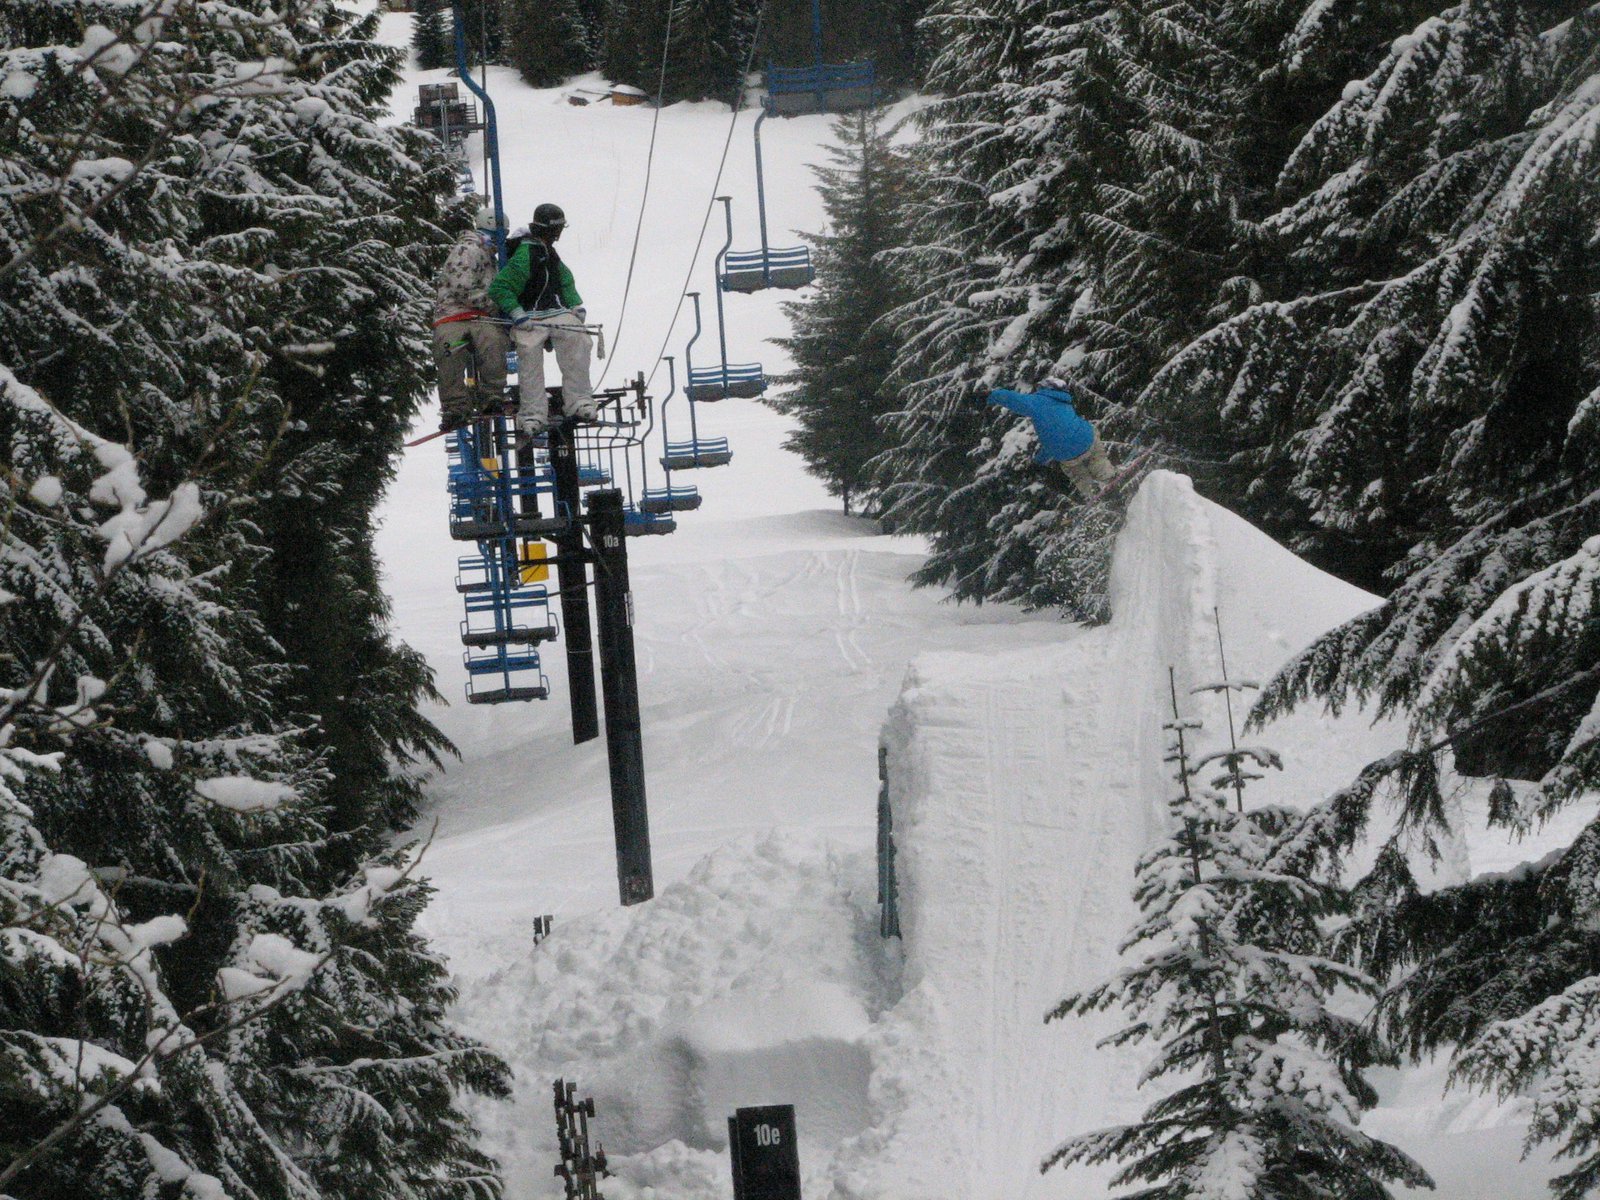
(773, 636)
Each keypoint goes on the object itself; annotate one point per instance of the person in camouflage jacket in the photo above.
(467, 344)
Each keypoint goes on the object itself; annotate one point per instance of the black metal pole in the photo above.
(619, 678)
(574, 584)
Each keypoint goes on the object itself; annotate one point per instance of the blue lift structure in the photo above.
(496, 486)
(670, 497)
(697, 451)
(747, 271)
(792, 92)
(727, 381)
(505, 619)
(821, 87)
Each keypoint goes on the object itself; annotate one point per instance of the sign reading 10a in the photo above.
(765, 1152)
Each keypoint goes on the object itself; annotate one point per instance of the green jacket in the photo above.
(534, 281)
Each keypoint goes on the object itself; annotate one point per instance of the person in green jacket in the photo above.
(536, 290)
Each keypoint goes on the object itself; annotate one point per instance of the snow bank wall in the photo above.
(1023, 788)
(753, 981)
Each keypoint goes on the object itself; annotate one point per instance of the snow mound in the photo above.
(752, 981)
(1023, 787)
(1024, 781)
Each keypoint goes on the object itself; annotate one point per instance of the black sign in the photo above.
(765, 1152)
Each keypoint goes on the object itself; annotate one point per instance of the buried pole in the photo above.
(619, 681)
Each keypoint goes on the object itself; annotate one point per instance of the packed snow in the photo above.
(778, 643)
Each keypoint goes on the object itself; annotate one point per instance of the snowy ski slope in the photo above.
(774, 637)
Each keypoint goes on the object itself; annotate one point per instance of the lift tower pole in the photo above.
(573, 577)
(619, 677)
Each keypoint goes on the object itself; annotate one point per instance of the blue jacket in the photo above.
(1063, 434)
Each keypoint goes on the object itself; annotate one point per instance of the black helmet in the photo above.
(548, 218)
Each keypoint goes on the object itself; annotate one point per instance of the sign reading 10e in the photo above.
(765, 1152)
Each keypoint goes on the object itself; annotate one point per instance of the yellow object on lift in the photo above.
(535, 568)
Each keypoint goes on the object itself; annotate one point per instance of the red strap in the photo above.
(466, 316)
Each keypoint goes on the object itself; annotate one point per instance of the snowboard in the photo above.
(1130, 471)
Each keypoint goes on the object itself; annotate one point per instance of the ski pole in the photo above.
(598, 329)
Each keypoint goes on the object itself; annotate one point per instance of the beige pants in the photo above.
(458, 346)
(1091, 470)
(573, 348)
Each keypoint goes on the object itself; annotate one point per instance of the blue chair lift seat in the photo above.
(636, 522)
(590, 474)
(483, 504)
(472, 574)
(825, 88)
(476, 522)
(672, 498)
(738, 381)
(519, 676)
(755, 270)
(707, 452)
(534, 525)
(517, 618)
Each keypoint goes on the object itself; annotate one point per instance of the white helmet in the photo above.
(485, 218)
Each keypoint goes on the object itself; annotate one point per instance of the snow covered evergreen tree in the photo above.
(485, 24)
(207, 227)
(1123, 222)
(710, 45)
(842, 348)
(707, 55)
(547, 42)
(1442, 424)
(1233, 983)
(630, 45)
(1428, 338)
(432, 40)
(853, 30)
(957, 247)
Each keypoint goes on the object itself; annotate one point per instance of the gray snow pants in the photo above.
(1091, 470)
(459, 345)
(573, 348)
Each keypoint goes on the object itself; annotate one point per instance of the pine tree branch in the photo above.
(178, 1040)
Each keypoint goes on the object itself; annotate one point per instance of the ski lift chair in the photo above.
(680, 497)
(501, 617)
(700, 452)
(736, 381)
(674, 497)
(697, 451)
(750, 271)
(822, 88)
(771, 266)
(641, 521)
(497, 675)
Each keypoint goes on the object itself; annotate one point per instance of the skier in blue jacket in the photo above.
(1065, 438)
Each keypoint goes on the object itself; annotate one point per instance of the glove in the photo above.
(582, 314)
(521, 319)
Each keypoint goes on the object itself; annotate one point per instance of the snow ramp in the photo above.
(1023, 787)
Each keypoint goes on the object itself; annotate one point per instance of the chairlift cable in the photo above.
(716, 186)
(644, 198)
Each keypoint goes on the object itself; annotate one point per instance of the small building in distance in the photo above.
(624, 95)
